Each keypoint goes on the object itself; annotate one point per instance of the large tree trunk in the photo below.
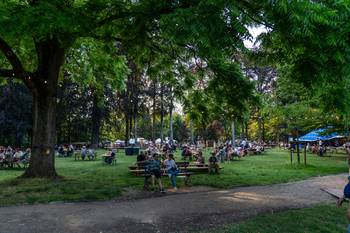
(191, 129)
(130, 125)
(233, 133)
(162, 113)
(154, 110)
(171, 118)
(126, 128)
(135, 120)
(259, 127)
(44, 90)
(42, 162)
(96, 122)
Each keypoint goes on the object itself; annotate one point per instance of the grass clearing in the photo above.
(322, 218)
(92, 180)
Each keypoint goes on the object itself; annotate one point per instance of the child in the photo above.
(213, 164)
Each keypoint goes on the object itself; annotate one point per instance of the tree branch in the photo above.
(11, 57)
(7, 73)
(17, 67)
(25, 77)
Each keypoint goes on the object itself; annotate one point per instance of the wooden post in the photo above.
(298, 149)
(305, 154)
(291, 154)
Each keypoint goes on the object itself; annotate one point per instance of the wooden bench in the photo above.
(181, 174)
(139, 170)
(183, 166)
(141, 165)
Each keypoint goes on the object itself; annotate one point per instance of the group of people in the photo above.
(69, 150)
(110, 156)
(226, 152)
(165, 149)
(65, 150)
(10, 157)
(88, 153)
(153, 165)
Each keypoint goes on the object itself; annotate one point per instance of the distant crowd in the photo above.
(318, 147)
(10, 157)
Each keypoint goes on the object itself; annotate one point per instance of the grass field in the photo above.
(92, 180)
(317, 219)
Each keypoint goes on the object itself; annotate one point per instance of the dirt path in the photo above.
(169, 213)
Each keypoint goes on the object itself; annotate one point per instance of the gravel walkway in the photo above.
(168, 213)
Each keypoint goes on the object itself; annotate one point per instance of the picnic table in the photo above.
(104, 156)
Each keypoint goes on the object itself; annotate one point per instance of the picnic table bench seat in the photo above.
(142, 165)
(183, 166)
(181, 175)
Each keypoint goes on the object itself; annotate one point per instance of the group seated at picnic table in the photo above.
(65, 150)
(109, 157)
(321, 147)
(154, 166)
(225, 152)
(14, 157)
(82, 153)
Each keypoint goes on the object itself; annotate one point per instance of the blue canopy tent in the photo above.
(313, 136)
(318, 134)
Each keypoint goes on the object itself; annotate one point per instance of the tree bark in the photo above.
(259, 127)
(96, 122)
(154, 94)
(126, 128)
(44, 91)
(191, 129)
(171, 117)
(130, 125)
(42, 162)
(162, 113)
(135, 119)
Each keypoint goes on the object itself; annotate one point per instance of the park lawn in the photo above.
(322, 218)
(272, 167)
(92, 180)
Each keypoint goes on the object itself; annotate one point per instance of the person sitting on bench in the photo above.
(83, 152)
(17, 157)
(141, 157)
(91, 154)
(200, 159)
(111, 156)
(60, 151)
(171, 168)
(213, 163)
